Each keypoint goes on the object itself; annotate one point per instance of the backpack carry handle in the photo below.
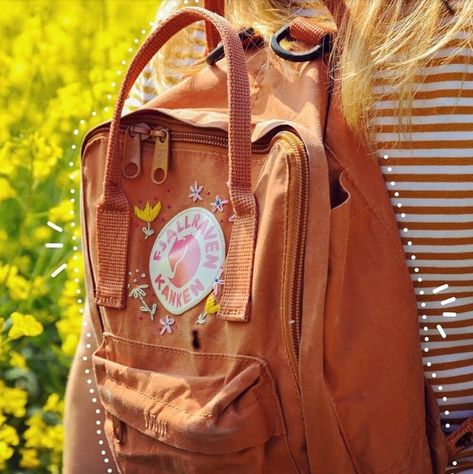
(113, 209)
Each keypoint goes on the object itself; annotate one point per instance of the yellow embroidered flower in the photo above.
(211, 307)
(148, 214)
(24, 325)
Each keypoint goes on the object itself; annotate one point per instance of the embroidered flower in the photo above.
(195, 191)
(211, 306)
(217, 283)
(202, 318)
(232, 218)
(148, 214)
(218, 203)
(138, 292)
(167, 322)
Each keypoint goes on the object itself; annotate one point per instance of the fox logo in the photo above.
(186, 258)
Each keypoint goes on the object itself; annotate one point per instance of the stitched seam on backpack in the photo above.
(261, 362)
(259, 398)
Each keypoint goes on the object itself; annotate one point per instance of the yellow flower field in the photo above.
(61, 65)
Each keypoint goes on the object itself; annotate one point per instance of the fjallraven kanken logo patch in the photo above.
(186, 258)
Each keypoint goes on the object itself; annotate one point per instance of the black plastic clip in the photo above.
(308, 55)
(247, 36)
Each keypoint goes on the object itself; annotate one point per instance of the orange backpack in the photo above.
(246, 279)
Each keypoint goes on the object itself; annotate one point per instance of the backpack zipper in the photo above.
(292, 313)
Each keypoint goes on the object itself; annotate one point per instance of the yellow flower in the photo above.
(13, 400)
(17, 360)
(148, 213)
(24, 325)
(64, 212)
(6, 452)
(29, 458)
(6, 190)
(9, 435)
(54, 404)
(211, 307)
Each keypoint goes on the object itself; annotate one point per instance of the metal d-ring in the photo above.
(308, 55)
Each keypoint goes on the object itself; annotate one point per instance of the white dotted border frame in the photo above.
(423, 303)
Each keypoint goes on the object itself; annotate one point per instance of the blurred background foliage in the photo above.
(61, 63)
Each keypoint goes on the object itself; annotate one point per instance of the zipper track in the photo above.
(188, 137)
(300, 226)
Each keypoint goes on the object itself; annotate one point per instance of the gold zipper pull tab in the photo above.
(131, 156)
(159, 168)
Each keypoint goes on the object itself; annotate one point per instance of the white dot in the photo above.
(88, 334)
(88, 346)
(429, 364)
(423, 305)
(434, 375)
(426, 339)
(97, 411)
(419, 279)
(416, 270)
(105, 460)
(72, 200)
(84, 358)
(91, 390)
(109, 470)
(118, 72)
(99, 432)
(100, 441)
(413, 257)
(136, 40)
(440, 387)
(454, 463)
(94, 113)
(403, 214)
(103, 452)
(76, 132)
(114, 84)
(130, 50)
(384, 156)
(94, 400)
(444, 399)
(426, 328)
(409, 242)
(72, 191)
(87, 371)
(396, 193)
(73, 224)
(392, 183)
(426, 349)
(421, 292)
(389, 168)
(98, 422)
(123, 62)
(89, 381)
(73, 147)
(405, 229)
(424, 316)
(447, 412)
(447, 425)
(143, 32)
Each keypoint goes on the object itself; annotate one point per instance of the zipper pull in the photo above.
(159, 168)
(131, 157)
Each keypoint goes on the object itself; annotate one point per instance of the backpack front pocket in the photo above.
(176, 411)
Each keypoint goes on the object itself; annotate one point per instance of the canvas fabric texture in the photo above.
(242, 259)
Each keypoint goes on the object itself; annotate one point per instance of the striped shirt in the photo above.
(429, 178)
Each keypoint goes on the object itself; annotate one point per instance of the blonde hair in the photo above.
(392, 37)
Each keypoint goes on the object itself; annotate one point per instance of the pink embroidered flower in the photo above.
(167, 322)
(195, 191)
(218, 204)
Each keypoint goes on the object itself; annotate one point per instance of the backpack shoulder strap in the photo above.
(211, 34)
